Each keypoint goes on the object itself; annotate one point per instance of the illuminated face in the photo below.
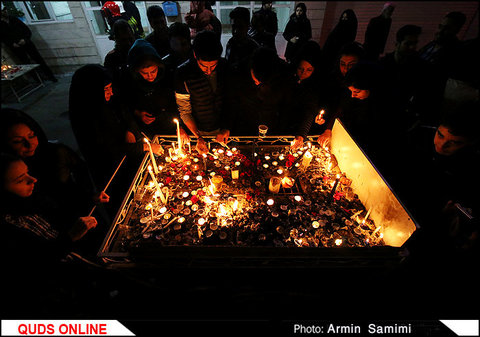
(108, 92)
(18, 181)
(255, 80)
(299, 11)
(359, 93)
(347, 62)
(22, 140)
(446, 143)
(304, 70)
(149, 73)
(207, 67)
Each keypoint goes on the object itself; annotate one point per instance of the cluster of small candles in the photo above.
(248, 197)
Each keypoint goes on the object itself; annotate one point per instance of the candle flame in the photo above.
(175, 120)
(338, 242)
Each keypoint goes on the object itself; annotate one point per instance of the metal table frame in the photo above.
(25, 69)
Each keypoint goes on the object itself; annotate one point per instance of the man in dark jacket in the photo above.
(199, 89)
(412, 77)
(441, 51)
(264, 95)
(16, 36)
(270, 17)
(377, 32)
(159, 37)
(116, 59)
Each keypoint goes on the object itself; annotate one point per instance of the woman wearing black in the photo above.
(297, 32)
(344, 32)
(149, 97)
(62, 173)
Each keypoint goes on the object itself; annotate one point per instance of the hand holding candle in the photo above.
(319, 118)
(152, 156)
(180, 147)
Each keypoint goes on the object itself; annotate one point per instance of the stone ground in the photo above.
(48, 106)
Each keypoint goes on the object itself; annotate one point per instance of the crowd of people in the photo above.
(403, 109)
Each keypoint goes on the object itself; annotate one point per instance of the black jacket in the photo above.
(300, 27)
(206, 102)
(14, 31)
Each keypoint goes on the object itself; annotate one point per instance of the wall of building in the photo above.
(426, 14)
(65, 45)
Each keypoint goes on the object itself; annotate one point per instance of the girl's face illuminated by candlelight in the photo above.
(22, 140)
(149, 73)
(446, 143)
(304, 70)
(359, 93)
(17, 180)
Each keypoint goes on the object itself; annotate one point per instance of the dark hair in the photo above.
(352, 48)
(178, 29)
(264, 64)
(240, 13)
(207, 46)
(10, 117)
(266, 2)
(364, 76)
(155, 11)
(121, 25)
(458, 18)
(408, 30)
(6, 159)
(461, 119)
(302, 6)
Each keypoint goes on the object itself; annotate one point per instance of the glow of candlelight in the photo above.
(298, 198)
(199, 178)
(307, 158)
(159, 190)
(180, 151)
(270, 202)
(235, 205)
(338, 242)
(152, 157)
(201, 221)
(280, 171)
(315, 224)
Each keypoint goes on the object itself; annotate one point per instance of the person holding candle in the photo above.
(263, 96)
(63, 175)
(199, 90)
(350, 54)
(309, 91)
(149, 98)
(31, 223)
(42, 244)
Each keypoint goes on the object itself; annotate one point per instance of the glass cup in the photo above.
(262, 131)
(274, 185)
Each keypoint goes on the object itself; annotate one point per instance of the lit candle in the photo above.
(320, 114)
(152, 157)
(307, 158)
(150, 207)
(270, 202)
(335, 186)
(235, 174)
(159, 190)
(178, 136)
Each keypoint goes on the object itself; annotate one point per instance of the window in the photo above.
(94, 15)
(44, 11)
(222, 10)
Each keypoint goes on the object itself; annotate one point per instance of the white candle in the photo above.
(159, 190)
(152, 157)
(307, 158)
(178, 136)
